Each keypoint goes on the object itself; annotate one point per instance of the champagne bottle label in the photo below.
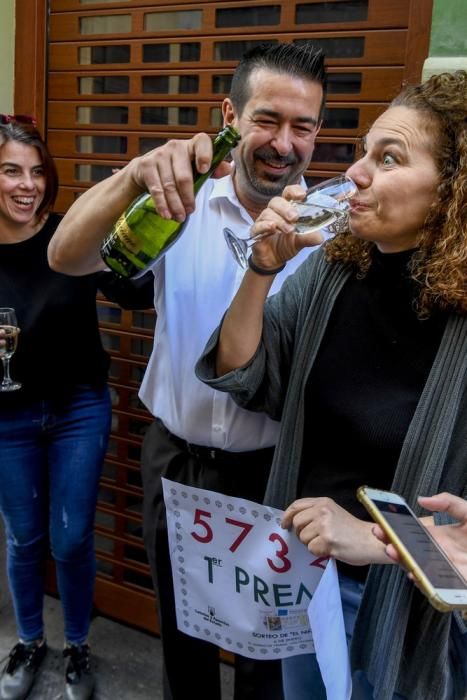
(124, 233)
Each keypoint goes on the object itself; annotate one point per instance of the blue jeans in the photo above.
(301, 676)
(51, 455)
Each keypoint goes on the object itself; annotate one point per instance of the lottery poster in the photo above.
(241, 581)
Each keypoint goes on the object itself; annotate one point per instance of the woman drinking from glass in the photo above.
(362, 355)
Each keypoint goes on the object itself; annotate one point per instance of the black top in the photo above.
(59, 346)
(363, 391)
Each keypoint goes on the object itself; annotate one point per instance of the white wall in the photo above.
(7, 62)
(7, 54)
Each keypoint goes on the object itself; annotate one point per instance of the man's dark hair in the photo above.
(301, 61)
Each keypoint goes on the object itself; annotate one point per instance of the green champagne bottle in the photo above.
(141, 236)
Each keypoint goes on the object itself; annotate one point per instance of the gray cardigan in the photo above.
(400, 641)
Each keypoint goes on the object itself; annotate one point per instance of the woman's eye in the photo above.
(388, 159)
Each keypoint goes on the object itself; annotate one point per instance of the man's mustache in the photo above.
(270, 154)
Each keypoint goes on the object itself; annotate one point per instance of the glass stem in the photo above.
(6, 371)
(254, 239)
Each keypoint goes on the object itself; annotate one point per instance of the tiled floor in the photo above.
(127, 662)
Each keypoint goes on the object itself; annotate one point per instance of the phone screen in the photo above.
(435, 566)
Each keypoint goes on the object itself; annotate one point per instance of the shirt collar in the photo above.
(223, 187)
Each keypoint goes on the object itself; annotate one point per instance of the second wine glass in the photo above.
(325, 206)
(8, 341)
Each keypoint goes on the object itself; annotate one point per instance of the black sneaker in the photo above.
(20, 672)
(79, 677)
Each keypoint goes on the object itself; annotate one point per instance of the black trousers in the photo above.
(191, 666)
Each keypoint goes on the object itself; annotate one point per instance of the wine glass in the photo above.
(8, 343)
(325, 207)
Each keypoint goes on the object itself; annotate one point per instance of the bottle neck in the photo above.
(223, 144)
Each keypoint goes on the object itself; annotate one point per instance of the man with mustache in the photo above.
(201, 437)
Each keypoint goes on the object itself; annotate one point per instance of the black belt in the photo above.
(214, 453)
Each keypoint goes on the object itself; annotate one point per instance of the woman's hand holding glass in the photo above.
(273, 234)
(8, 341)
(298, 213)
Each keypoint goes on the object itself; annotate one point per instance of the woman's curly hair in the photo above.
(440, 265)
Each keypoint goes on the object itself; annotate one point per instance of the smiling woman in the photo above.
(22, 186)
(26, 170)
(54, 422)
(362, 356)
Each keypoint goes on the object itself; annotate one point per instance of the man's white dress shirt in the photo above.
(194, 284)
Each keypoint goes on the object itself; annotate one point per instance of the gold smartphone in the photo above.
(437, 577)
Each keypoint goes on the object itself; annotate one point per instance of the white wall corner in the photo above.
(443, 64)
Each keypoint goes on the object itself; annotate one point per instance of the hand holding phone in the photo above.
(436, 576)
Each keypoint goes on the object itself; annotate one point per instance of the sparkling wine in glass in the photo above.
(325, 207)
(8, 341)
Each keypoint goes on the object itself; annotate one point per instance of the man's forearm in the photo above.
(74, 248)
